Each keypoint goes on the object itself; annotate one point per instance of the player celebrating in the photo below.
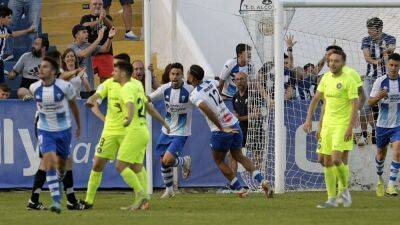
(226, 135)
(179, 117)
(133, 147)
(54, 97)
(386, 93)
(339, 91)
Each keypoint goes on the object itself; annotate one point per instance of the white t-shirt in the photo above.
(177, 106)
(228, 73)
(207, 92)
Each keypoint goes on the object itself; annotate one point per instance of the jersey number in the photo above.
(214, 95)
(141, 108)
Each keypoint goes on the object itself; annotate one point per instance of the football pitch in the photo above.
(209, 208)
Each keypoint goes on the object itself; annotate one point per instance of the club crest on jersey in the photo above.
(339, 86)
(183, 98)
(59, 96)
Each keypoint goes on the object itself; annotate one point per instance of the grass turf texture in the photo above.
(215, 209)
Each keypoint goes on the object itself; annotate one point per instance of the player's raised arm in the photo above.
(156, 115)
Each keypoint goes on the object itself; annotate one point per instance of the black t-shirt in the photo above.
(94, 31)
(240, 106)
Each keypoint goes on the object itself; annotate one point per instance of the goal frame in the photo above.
(279, 7)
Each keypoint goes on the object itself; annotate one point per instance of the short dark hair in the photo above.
(124, 57)
(77, 28)
(285, 56)
(308, 65)
(341, 53)
(54, 54)
(4, 87)
(54, 64)
(126, 67)
(177, 66)
(395, 57)
(375, 22)
(330, 47)
(5, 11)
(45, 41)
(241, 48)
(197, 72)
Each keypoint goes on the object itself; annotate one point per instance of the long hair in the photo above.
(64, 65)
(165, 75)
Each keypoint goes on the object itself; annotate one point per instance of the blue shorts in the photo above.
(59, 142)
(221, 141)
(172, 144)
(386, 135)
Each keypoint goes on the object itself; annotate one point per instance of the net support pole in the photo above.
(341, 3)
(280, 136)
(148, 76)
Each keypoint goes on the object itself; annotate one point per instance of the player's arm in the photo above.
(128, 119)
(75, 112)
(361, 97)
(156, 115)
(226, 70)
(321, 118)
(376, 94)
(92, 100)
(96, 111)
(210, 115)
(353, 119)
(307, 126)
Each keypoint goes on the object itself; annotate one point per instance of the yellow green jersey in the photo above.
(115, 115)
(133, 92)
(356, 76)
(338, 92)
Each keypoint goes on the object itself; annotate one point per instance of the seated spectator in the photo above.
(28, 64)
(84, 50)
(5, 32)
(139, 74)
(122, 57)
(127, 16)
(102, 62)
(165, 76)
(73, 73)
(5, 91)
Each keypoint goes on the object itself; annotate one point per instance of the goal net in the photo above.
(313, 30)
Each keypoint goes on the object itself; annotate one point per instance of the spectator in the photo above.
(122, 57)
(240, 63)
(5, 32)
(239, 102)
(72, 73)
(5, 91)
(102, 62)
(303, 83)
(28, 64)
(165, 76)
(127, 16)
(310, 71)
(139, 74)
(85, 50)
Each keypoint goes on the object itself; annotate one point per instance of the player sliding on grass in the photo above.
(386, 93)
(179, 117)
(226, 135)
(339, 91)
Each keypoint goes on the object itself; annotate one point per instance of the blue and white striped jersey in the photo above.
(177, 106)
(389, 107)
(52, 104)
(376, 48)
(4, 32)
(207, 92)
(230, 69)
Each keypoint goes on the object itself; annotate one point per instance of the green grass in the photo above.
(215, 209)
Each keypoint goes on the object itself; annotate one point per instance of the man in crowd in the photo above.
(139, 74)
(5, 91)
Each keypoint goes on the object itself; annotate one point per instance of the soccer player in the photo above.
(241, 63)
(133, 147)
(339, 91)
(179, 117)
(386, 93)
(54, 97)
(226, 135)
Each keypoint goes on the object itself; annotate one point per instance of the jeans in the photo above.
(32, 10)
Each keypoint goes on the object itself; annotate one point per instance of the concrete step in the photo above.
(73, 8)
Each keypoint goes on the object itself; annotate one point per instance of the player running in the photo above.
(54, 97)
(339, 91)
(179, 117)
(133, 147)
(386, 93)
(226, 135)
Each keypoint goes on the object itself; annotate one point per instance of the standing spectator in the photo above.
(72, 73)
(240, 63)
(102, 62)
(139, 74)
(5, 32)
(376, 47)
(127, 16)
(239, 102)
(5, 91)
(28, 64)
(31, 9)
(85, 50)
(303, 83)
